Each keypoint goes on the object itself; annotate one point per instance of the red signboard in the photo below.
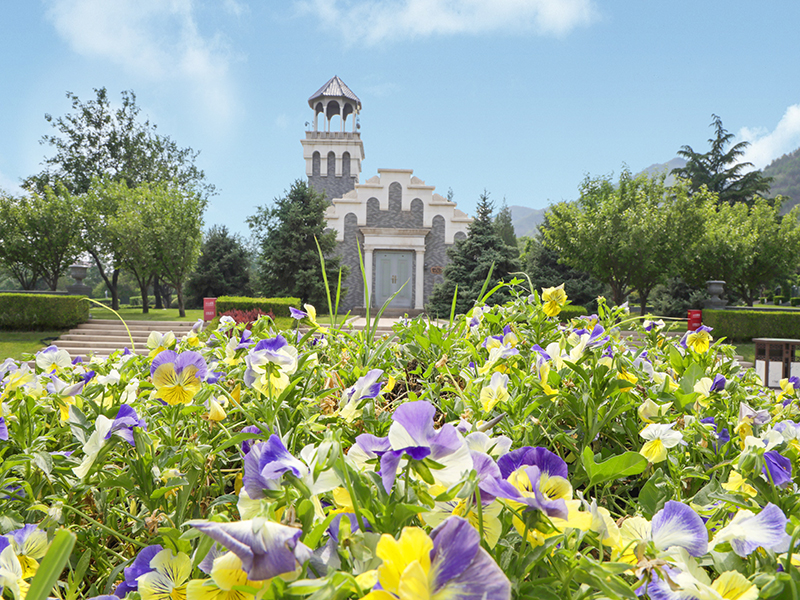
(695, 320)
(209, 308)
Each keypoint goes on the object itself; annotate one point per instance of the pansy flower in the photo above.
(10, 568)
(140, 566)
(52, 359)
(495, 392)
(266, 549)
(698, 340)
(448, 564)
(777, 468)
(746, 532)
(365, 388)
(168, 578)
(412, 435)
(269, 365)
(158, 342)
(30, 545)
(659, 438)
(226, 583)
(178, 377)
(553, 300)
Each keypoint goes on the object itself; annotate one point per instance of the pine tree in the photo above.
(504, 226)
(720, 171)
(223, 268)
(470, 261)
(288, 262)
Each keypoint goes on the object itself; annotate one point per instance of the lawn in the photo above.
(136, 314)
(14, 343)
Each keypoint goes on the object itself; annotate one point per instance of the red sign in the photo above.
(209, 308)
(695, 320)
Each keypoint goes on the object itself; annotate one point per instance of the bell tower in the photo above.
(333, 154)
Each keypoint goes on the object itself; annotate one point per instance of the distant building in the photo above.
(401, 226)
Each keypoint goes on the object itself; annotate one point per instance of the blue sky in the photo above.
(522, 98)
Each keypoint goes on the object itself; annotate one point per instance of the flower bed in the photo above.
(505, 455)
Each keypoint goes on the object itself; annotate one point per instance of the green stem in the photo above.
(350, 491)
(105, 527)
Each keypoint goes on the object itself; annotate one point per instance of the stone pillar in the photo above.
(419, 279)
(368, 273)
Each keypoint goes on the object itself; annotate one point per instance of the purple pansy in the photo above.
(265, 465)
(266, 549)
(124, 423)
(140, 566)
(678, 525)
(777, 468)
(297, 313)
(247, 444)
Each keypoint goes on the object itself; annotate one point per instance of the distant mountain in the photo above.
(785, 172)
(675, 163)
(526, 220)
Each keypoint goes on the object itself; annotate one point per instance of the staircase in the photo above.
(100, 337)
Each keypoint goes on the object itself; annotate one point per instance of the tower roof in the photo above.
(334, 88)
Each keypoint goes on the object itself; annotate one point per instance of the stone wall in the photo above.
(348, 251)
(329, 184)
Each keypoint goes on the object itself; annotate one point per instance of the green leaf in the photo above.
(654, 494)
(616, 467)
(52, 565)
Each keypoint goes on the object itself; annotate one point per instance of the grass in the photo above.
(747, 351)
(136, 314)
(13, 344)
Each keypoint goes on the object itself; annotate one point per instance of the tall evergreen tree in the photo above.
(470, 262)
(223, 268)
(504, 226)
(720, 171)
(288, 262)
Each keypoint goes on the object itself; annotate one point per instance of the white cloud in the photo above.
(155, 39)
(766, 146)
(374, 21)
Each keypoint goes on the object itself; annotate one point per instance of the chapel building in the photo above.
(400, 225)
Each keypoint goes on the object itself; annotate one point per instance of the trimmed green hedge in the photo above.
(570, 312)
(278, 306)
(744, 325)
(25, 312)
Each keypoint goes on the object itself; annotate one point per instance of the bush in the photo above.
(42, 311)
(744, 325)
(795, 301)
(676, 297)
(763, 300)
(277, 306)
(777, 299)
(572, 311)
(246, 316)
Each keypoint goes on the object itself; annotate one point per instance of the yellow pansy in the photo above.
(554, 299)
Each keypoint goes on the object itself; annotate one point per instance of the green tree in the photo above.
(541, 264)
(470, 261)
(223, 268)
(504, 226)
(626, 235)
(288, 262)
(174, 218)
(40, 234)
(747, 247)
(720, 171)
(96, 142)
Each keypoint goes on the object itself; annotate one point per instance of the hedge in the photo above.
(278, 306)
(744, 325)
(571, 311)
(25, 312)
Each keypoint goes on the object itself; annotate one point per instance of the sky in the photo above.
(521, 98)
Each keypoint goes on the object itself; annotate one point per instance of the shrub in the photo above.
(763, 300)
(777, 299)
(739, 325)
(279, 307)
(42, 311)
(247, 316)
(572, 311)
(795, 301)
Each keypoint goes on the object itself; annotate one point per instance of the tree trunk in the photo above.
(157, 292)
(181, 309)
(643, 302)
(115, 290)
(145, 300)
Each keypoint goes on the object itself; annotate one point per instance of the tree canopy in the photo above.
(288, 262)
(626, 234)
(720, 170)
(470, 261)
(223, 268)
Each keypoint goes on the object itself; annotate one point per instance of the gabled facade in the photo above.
(400, 226)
